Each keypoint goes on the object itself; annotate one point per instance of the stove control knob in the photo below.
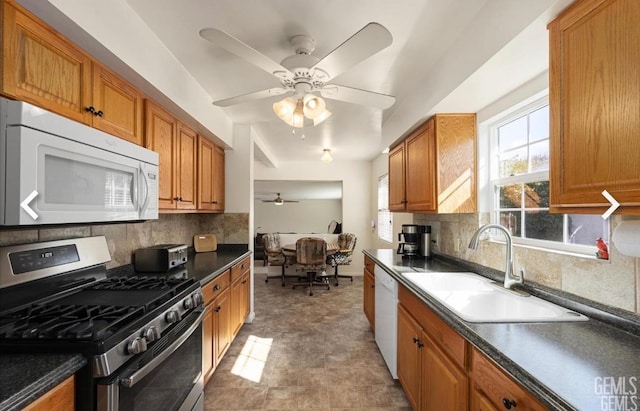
(188, 303)
(137, 345)
(151, 334)
(173, 316)
(197, 298)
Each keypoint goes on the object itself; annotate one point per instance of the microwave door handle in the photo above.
(134, 378)
(133, 192)
(146, 190)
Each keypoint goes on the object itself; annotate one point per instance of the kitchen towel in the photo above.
(626, 238)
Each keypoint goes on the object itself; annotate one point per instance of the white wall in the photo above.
(356, 195)
(306, 216)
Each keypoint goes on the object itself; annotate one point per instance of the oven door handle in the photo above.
(134, 378)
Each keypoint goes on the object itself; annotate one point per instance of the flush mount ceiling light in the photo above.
(326, 156)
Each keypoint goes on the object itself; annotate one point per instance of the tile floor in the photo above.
(302, 352)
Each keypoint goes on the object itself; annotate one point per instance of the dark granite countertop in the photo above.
(592, 365)
(26, 377)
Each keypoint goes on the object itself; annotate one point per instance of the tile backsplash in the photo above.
(124, 238)
(615, 283)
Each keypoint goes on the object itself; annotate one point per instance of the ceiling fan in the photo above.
(303, 74)
(279, 200)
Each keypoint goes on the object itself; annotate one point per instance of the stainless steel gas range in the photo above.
(142, 335)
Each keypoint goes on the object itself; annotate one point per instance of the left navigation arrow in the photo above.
(25, 204)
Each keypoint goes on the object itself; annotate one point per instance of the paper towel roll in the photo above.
(626, 238)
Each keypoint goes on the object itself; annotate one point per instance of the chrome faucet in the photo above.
(509, 277)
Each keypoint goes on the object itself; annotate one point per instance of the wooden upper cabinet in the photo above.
(594, 83)
(160, 136)
(117, 106)
(210, 176)
(420, 158)
(397, 199)
(43, 68)
(433, 170)
(187, 167)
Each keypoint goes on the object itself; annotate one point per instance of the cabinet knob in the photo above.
(90, 109)
(216, 287)
(214, 202)
(176, 198)
(99, 113)
(508, 403)
(415, 340)
(217, 309)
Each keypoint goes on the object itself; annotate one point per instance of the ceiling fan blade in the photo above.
(240, 49)
(357, 96)
(256, 95)
(368, 41)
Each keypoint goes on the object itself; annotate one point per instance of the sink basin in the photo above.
(478, 299)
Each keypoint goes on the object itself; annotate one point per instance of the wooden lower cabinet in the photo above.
(227, 305)
(439, 370)
(216, 324)
(493, 389)
(60, 398)
(240, 294)
(369, 294)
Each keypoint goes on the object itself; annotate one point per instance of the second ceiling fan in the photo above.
(303, 74)
(279, 200)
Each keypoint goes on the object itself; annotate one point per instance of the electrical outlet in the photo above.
(456, 245)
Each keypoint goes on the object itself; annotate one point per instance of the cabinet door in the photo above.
(42, 67)
(218, 179)
(594, 84)
(236, 306)
(160, 136)
(60, 398)
(187, 163)
(222, 324)
(445, 385)
(455, 136)
(409, 365)
(205, 173)
(208, 364)
(117, 105)
(397, 198)
(479, 402)
(420, 163)
(369, 297)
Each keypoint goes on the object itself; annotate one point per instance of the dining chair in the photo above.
(346, 245)
(276, 256)
(311, 257)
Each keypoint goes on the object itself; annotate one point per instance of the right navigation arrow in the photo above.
(614, 205)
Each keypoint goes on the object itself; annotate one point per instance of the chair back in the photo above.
(311, 252)
(271, 242)
(347, 241)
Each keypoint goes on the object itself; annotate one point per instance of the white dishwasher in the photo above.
(386, 316)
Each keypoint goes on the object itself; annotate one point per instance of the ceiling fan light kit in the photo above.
(301, 74)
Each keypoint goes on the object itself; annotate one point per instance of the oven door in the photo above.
(168, 376)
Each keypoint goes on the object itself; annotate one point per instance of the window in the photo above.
(385, 218)
(519, 161)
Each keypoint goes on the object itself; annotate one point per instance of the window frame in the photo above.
(494, 182)
(384, 214)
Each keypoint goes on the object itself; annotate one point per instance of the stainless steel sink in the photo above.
(478, 299)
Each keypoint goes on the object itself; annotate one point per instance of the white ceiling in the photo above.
(446, 56)
(297, 190)
(437, 47)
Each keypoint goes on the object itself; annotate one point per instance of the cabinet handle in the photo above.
(217, 309)
(415, 340)
(244, 282)
(99, 113)
(404, 202)
(373, 286)
(508, 403)
(179, 198)
(90, 109)
(176, 198)
(214, 202)
(216, 287)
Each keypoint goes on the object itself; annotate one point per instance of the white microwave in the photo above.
(57, 171)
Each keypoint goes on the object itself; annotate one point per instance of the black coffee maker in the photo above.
(417, 241)
(411, 245)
